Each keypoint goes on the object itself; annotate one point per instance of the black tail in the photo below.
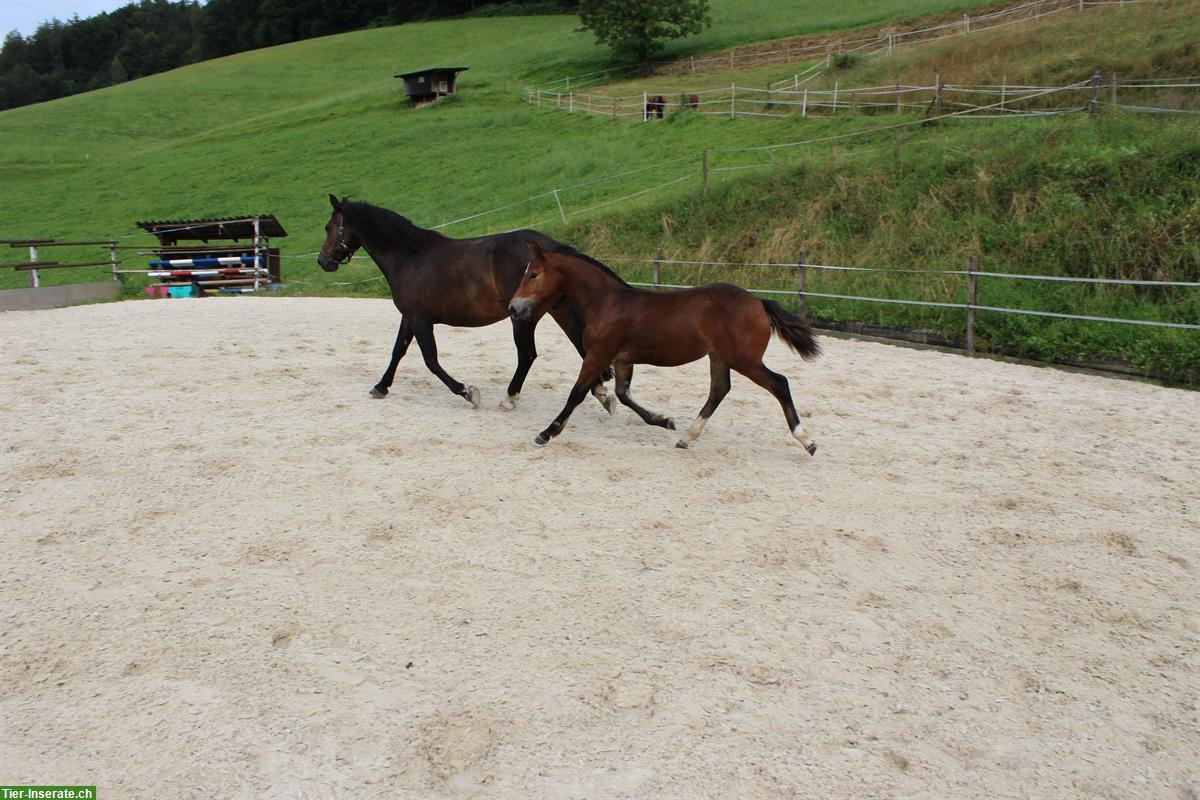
(792, 329)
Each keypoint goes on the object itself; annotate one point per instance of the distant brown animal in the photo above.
(626, 326)
(655, 105)
(693, 101)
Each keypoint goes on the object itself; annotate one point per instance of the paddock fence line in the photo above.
(793, 98)
(35, 264)
(972, 274)
(885, 43)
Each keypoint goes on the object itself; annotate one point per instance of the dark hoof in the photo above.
(811, 447)
(540, 440)
(681, 444)
(379, 393)
(670, 424)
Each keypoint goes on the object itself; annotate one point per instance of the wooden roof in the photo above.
(205, 230)
(414, 73)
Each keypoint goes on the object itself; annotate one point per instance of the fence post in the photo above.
(835, 88)
(768, 105)
(898, 97)
(853, 102)
(657, 268)
(558, 200)
(34, 280)
(571, 103)
(804, 103)
(1003, 90)
(733, 100)
(1094, 103)
(967, 22)
(937, 94)
(645, 116)
(801, 281)
(704, 170)
(112, 258)
(972, 285)
(731, 52)
(1113, 95)
(614, 110)
(693, 65)
(891, 43)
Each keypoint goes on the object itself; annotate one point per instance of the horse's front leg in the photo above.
(526, 353)
(572, 326)
(589, 374)
(423, 330)
(403, 337)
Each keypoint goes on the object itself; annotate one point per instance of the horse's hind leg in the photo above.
(717, 389)
(777, 385)
(526, 353)
(624, 376)
(424, 334)
(572, 326)
(403, 337)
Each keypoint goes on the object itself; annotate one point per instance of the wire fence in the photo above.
(792, 97)
(797, 274)
(883, 43)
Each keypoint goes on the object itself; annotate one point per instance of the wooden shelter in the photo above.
(226, 254)
(430, 84)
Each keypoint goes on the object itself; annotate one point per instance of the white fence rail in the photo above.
(775, 101)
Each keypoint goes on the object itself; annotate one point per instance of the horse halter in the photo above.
(340, 243)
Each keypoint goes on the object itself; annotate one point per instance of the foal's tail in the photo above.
(792, 329)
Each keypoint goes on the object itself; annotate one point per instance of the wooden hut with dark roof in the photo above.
(430, 84)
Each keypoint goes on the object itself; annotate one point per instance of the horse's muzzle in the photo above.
(520, 309)
(326, 263)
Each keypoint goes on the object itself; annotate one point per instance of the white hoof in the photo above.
(473, 396)
(610, 404)
(509, 402)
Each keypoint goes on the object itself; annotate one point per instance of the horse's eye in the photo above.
(532, 276)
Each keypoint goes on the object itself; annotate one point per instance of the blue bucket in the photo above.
(180, 291)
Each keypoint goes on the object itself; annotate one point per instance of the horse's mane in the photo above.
(386, 227)
(567, 250)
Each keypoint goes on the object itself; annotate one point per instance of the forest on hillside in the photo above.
(67, 57)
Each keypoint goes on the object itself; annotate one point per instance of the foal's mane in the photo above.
(567, 250)
(387, 228)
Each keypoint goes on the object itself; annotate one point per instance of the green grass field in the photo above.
(276, 130)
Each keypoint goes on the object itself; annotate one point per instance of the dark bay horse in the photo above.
(655, 105)
(627, 326)
(436, 280)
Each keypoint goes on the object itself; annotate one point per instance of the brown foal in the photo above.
(624, 326)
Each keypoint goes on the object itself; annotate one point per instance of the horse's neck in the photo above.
(587, 286)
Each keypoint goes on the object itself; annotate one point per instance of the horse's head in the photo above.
(540, 286)
(340, 241)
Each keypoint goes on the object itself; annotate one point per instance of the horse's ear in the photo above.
(337, 204)
(536, 249)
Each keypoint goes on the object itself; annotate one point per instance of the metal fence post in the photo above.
(972, 286)
(733, 100)
(645, 113)
(657, 268)
(804, 103)
(801, 281)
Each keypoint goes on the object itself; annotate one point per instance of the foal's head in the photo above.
(540, 286)
(340, 241)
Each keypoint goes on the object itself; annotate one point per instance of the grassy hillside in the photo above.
(275, 130)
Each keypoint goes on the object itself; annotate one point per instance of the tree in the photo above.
(633, 28)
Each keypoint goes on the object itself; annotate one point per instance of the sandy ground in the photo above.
(229, 573)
